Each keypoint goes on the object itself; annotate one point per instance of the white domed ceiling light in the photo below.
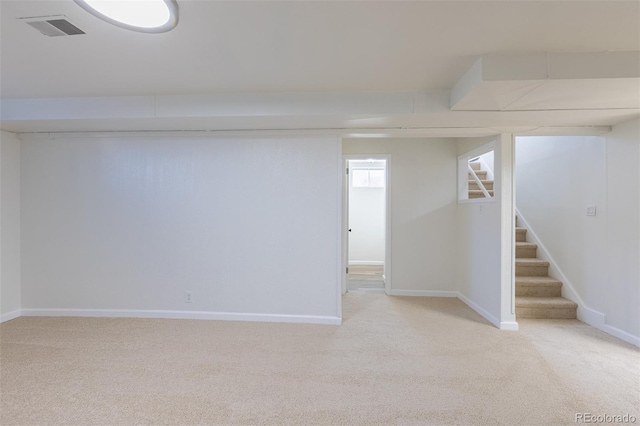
(147, 16)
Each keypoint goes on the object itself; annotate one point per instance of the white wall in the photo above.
(422, 177)
(367, 223)
(249, 225)
(10, 299)
(484, 241)
(488, 161)
(622, 294)
(557, 177)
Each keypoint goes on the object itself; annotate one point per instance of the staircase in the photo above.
(474, 189)
(537, 294)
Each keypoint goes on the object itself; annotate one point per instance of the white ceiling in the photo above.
(297, 47)
(550, 81)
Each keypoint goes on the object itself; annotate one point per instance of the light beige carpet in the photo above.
(395, 360)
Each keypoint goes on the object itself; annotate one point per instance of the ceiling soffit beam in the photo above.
(343, 133)
(550, 81)
(226, 105)
(405, 113)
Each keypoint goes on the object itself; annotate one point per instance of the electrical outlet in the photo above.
(188, 297)
(591, 210)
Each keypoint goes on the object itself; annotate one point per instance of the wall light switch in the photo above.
(591, 210)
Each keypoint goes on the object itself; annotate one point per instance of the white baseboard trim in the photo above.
(509, 325)
(620, 334)
(197, 315)
(10, 315)
(591, 317)
(424, 293)
(598, 320)
(367, 263)
(493, 320)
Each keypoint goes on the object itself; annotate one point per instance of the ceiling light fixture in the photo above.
(147, 16)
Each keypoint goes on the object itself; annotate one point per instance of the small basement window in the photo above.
(370, 178)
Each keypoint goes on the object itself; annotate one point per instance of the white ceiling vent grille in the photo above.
(53, 26)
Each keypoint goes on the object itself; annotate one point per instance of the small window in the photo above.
(368, 178)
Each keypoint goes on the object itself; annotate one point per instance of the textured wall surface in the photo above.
(247, 225)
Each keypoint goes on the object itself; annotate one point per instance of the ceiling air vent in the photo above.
(53, 26)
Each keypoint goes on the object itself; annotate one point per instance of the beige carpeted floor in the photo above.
(395, 360)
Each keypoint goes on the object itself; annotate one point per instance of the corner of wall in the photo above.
(10, 261)
(504, 162)
(2, 135)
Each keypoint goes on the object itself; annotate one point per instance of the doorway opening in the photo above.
(367, 218)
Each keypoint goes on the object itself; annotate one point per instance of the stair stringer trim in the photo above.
(584, 313)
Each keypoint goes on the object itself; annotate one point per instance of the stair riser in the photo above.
(526, 252)
(475, 166)
(532, 270)
(521, 235)
(533, 290)
(481, 175)
(487, 185)
(546, 313)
